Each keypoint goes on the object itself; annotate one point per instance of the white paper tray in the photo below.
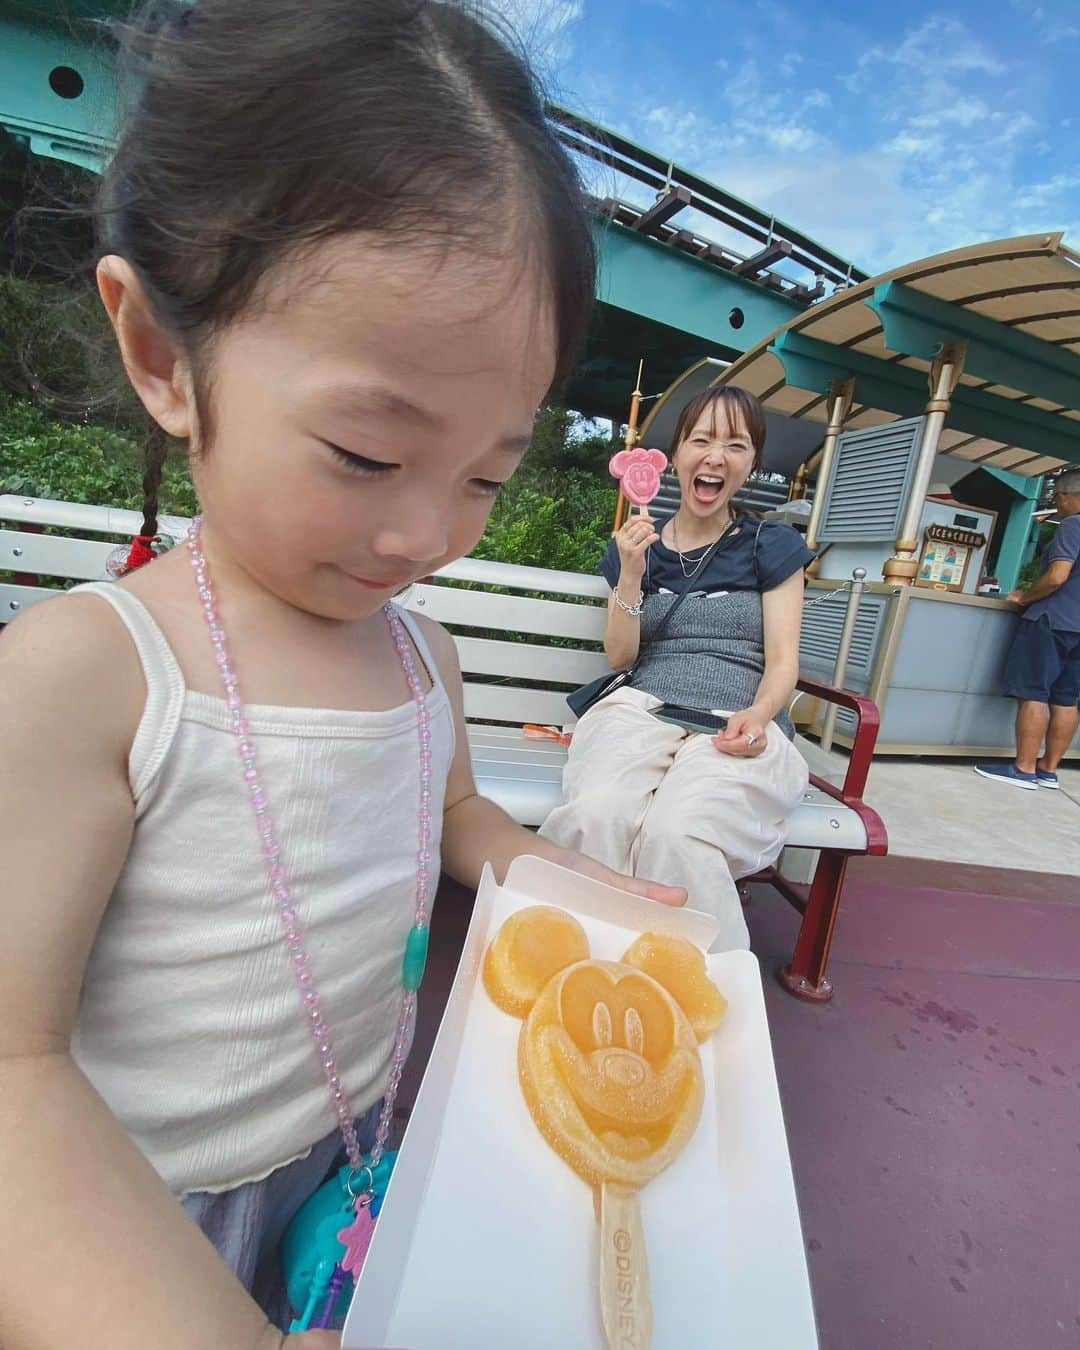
(488, 1241)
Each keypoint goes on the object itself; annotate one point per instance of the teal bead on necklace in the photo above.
(415, 959)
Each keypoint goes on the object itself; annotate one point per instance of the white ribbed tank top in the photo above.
(190, 1024)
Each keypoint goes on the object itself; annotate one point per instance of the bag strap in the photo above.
(686, 590)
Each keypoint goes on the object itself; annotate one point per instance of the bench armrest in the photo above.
(867, 722)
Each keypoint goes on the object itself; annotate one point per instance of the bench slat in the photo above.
(518, 614)
(49, 555)
(515, 577)
(500, 703)
(525, 777)
(14, 599)
(524, 661)
(80, 516)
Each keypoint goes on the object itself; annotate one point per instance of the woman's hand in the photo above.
(589, 867)
(633, 542)
(312, 1340)
(743, 737)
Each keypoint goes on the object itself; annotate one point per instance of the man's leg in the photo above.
(1032, 720)
(1063, 724)
(1031, 667)
(1064, 714)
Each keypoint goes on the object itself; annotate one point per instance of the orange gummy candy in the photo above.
(608, 1059)
(528, 949)
(680, 967)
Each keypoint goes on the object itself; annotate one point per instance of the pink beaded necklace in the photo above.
(356, 1235)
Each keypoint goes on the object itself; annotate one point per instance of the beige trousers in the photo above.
(657, 802)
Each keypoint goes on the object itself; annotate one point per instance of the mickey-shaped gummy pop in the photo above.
(638, 471)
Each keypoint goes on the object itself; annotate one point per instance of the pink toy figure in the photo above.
(639, 471)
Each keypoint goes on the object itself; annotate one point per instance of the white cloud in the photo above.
(937, 149)
(1051, 28)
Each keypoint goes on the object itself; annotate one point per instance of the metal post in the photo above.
(945, 372)
(841, 395)
(622, 506)
(858, 585)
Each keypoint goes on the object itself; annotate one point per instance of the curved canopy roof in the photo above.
(1014, 302)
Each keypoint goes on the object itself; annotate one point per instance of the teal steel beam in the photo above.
(1023, 487)
(1012, 551)
(813, 365)
(920, 325)
(1013, 548)
(643, 276)
(58, 93)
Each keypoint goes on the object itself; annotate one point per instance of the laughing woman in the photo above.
(648, 797)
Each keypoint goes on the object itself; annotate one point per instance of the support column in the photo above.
(841, 394)
(944, 374)
(1014, 541)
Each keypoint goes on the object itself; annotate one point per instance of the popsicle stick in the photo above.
(625, 1304)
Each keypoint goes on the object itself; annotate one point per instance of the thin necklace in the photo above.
(357, 1234)
(682, 557)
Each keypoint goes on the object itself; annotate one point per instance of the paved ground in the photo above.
(942, 809)
(933, 1108)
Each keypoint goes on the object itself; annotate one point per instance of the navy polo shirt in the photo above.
(1062, 608)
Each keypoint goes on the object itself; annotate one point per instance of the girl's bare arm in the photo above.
(94, 1250)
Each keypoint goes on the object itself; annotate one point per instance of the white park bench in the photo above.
(509, 683)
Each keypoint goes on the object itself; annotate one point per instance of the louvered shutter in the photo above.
(868, 486)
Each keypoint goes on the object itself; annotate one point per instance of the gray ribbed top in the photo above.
(711, 654)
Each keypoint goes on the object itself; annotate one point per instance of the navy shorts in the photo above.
(1043, 664)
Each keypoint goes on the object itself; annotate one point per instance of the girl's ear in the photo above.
(155, 366)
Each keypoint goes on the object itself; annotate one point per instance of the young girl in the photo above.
(345, 258)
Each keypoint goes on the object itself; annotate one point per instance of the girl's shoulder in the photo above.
(441, 645)
(69, 660)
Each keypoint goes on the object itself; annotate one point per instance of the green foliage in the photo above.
(40, 457)
(58, 352)
(568, 531)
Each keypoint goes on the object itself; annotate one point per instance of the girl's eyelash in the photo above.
(372, 468)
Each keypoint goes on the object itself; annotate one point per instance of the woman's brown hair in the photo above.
(740, 408)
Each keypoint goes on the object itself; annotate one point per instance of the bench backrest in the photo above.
(483, 603)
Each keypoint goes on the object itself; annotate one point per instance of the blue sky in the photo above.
(887, 133)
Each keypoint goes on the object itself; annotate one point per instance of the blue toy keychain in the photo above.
(313, 1256)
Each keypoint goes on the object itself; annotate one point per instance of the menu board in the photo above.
(946, 556)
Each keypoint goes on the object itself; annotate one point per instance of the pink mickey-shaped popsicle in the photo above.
(639, 471)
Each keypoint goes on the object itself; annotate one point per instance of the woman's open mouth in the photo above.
(707, 488)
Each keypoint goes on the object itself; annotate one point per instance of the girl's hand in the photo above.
(633, 542)
(312, 1340)
(589, 867)
(743, 737)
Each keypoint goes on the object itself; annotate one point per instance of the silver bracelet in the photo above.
(633, 610)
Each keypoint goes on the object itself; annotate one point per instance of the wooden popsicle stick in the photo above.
(625, 1304)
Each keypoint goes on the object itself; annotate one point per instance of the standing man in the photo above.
(1042, 670)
